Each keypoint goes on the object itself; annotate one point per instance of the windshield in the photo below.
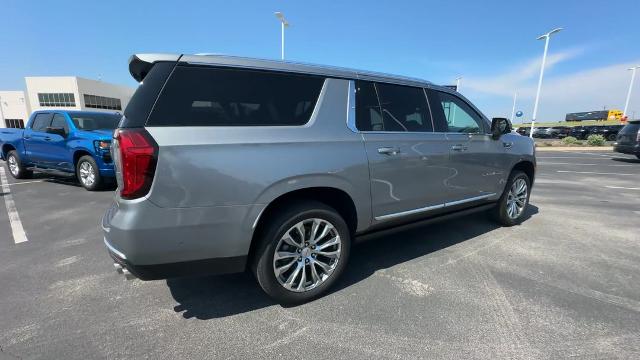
(96, 121)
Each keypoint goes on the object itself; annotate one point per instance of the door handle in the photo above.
(47, 138)
(26, 137)
(389, 150)
(459, 147)
(507, 145)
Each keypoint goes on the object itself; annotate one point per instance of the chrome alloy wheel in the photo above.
(13, 165)
(307, 254)
(87, 174)
(517, 198)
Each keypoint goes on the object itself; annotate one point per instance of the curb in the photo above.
(574, 148)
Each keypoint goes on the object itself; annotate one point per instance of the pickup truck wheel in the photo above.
(15, 167)
(88, 173)
(514, 200)
(302, 251)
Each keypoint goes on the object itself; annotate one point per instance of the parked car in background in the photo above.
(628, 139)
(557, 132)
(62, 142)
(226, 163)
(582, 132)
(540, 132)
(524, 131)
(610, 132)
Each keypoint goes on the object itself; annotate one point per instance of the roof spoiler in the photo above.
(141, 64)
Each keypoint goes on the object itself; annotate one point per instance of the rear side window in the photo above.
(404, 108)
(388, 107)
(200, 96)
(368, 111)
(41, 122)
(452, 114)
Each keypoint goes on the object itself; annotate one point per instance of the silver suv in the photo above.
(226, 164)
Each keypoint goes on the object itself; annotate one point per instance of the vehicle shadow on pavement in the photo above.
(626, 160)
(225, 295)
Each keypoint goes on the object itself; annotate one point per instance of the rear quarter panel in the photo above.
(11, 139)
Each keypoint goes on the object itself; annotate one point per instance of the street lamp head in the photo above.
(280, 17)
(634, 67)
(544, 36)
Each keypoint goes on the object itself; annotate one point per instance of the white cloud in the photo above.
(585, 90)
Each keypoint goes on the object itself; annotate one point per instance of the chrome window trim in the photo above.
(351, 106)
(433, 207)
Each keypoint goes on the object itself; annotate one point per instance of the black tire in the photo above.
(612, 137)
(500, 212)
(269, 238)
(82, 166)
(20, 172)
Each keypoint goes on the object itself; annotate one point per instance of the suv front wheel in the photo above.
(514, 200)
(302, 252)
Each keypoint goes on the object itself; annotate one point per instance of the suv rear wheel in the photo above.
(514, 200)
(302, 252)
(15, 167)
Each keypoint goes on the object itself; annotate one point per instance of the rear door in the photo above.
(35, 138)
(477, 161)
(407, 160)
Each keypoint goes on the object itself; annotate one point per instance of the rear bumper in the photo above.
(178, 269)
(157, 243)
(627, 149)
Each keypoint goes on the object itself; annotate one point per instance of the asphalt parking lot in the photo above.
(565, 283)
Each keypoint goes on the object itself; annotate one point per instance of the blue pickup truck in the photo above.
(71, 142)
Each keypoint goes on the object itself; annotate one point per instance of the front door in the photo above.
(407, 160)
(58, 156)
(475, 158)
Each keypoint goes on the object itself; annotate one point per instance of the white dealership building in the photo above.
(60, 92)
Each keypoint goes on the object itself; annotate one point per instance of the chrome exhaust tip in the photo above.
(119, 268)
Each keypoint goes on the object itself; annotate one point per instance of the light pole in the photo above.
(513, 109)
(544, 60)
(283, 24)
(458, 83)
(633, 76)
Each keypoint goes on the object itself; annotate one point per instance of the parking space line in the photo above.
(594, 173)
(27, 182)
(19, 235)
(554, 163)
(622, 187)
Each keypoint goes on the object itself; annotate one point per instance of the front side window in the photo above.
(452, 114)
(41, 122)
(202, 96)
(59, 121)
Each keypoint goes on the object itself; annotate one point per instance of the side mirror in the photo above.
(500, 126)
(57, 131)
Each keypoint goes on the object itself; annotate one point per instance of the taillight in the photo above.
(136, 158)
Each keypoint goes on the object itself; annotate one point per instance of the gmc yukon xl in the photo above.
(226, 163)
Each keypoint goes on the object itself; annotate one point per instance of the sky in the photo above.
(491, 44)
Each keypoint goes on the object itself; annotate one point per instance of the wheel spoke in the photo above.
(292, 277)
(327, 228)
(289, 240)
(328, 243)
(330, 254)
(324, 266)
(303, 278)
(285, 255)
(314, 229)
(314, 273)
(284, 268)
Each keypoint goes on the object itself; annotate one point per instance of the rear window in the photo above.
(95, 121)
(204, 96)
(631, 128)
